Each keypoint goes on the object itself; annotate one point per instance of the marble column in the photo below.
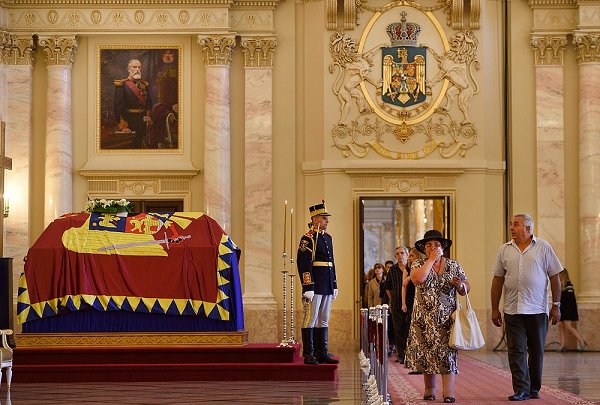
(217, 51)
(587, 45)
(17, 70)
(258, 114)
(550, 133)
(59, 52)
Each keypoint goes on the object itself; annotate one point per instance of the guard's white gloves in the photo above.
(335, 293)
(309, 295)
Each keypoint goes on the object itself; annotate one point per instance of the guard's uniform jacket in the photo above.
(316, 267)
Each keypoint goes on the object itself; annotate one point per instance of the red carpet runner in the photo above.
(478, 383)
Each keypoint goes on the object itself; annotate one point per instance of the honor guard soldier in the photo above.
(316, 269)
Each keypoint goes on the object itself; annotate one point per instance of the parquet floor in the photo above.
(572, 371)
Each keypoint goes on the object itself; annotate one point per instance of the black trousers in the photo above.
(525, 339)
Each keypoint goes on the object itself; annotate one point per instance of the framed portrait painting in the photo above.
(139, 98)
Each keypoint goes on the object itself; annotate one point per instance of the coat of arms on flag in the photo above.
(403, 65)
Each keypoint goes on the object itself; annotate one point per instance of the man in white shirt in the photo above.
(524, 267)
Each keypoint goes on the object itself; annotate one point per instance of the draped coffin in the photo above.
(144, 272)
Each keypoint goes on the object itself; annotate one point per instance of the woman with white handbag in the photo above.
(437, 281)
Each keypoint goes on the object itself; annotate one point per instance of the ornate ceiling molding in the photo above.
(121, 16)
(552, 3)
(109, 3)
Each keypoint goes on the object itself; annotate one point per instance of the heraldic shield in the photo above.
(403, 75)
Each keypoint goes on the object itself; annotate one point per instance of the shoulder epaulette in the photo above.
(119, 82)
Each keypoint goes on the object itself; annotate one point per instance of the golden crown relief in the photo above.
(386, 102)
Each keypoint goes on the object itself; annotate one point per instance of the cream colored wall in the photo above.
(522, 111)
(479, 213)
(307, 168)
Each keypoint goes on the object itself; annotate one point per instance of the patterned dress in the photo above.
(427, 350)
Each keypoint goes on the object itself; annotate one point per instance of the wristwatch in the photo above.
(557, 303)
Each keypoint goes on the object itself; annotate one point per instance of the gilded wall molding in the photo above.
(475, 15)
(587, 45)
(251, 21)
(258, 51)
(331, 13)
(5, 42)
(555, 20)
(456, 14)
(552, 3)
(350, 14)
(58, 50)
(118, 20)
(380, 116)
(18, 50)
(414, 184)
(217, 49)
(455, 11)
(549, 49)
(176, 184)
(589, 15)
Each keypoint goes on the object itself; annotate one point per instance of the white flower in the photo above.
(103, 204)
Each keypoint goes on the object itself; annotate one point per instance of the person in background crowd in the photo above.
(437, 280)
(524, 267)
(393, 286)
(568, 314)
(316, 269)
(373, 297)
(385, 299)
(388, 265)
(368, 277)
(408, 297)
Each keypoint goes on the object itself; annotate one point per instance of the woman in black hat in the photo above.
(437, 280)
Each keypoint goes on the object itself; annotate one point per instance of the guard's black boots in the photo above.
(321, 347)
(307, 346)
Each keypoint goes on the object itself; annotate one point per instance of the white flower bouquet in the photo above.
(108, 206)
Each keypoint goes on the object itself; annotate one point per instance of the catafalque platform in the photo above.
(206, 356)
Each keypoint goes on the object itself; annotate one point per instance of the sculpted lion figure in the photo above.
(455, 65)
(354, 68)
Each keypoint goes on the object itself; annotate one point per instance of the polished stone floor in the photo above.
(576, 372)
(572, 371)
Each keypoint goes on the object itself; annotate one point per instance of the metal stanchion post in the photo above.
(284, 272)
(292, 339)
(384, 345)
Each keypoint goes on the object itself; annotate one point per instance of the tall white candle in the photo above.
(292, 235)
(284, 224)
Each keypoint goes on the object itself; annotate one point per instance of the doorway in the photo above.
(157, 205)
(388, 222)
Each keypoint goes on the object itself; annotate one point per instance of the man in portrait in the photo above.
(133, 104)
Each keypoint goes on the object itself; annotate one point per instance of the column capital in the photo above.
(587, 45)
(17, 49)
(258, 50)
(548, 49)
(217, 48)
(60, 50)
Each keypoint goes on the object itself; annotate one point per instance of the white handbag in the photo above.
(465, 333)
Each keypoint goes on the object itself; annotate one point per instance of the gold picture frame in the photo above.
(139, 113)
